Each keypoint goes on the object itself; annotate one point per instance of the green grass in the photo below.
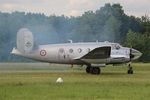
(35, 83)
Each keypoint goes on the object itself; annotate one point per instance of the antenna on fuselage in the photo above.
(70, 41)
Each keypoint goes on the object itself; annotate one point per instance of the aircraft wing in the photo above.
(97, 53)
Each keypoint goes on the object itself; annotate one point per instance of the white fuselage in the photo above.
(68, 53)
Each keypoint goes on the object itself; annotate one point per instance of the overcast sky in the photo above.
(73, 7)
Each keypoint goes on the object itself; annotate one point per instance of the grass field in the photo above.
(21, 81)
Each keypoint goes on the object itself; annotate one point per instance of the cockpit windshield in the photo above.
(116, 46)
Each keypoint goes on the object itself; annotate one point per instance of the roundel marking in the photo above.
(43, 52)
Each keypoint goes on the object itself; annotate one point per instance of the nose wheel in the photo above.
(93, 70)
(130, 70)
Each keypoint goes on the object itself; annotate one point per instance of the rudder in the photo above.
(25, 40)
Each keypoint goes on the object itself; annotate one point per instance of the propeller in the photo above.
(131, 55)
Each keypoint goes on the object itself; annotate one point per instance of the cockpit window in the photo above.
(116, 46)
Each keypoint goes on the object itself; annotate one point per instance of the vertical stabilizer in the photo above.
(25, 41)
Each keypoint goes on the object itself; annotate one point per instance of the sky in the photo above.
(72, 7)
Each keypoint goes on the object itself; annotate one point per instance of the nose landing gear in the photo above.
(130, 70)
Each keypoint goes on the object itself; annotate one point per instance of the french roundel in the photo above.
(43, 52)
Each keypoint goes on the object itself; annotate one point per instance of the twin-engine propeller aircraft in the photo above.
(92, 54)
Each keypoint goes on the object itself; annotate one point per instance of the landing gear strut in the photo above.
(130, 70)
(93, 70)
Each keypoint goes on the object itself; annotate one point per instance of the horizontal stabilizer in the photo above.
(15, 51)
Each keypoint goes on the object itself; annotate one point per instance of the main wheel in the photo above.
(130, 71)
(95, 70)
(88, 69)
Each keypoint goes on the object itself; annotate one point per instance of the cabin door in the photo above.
(61, 55)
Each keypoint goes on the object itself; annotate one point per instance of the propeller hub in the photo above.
(134, 54)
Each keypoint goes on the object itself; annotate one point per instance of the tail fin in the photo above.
(25, 41)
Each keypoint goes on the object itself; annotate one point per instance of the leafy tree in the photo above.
(108, 23)
(140, 42)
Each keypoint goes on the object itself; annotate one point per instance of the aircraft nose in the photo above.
(135, 54)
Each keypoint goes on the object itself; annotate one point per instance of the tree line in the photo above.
(108, 23)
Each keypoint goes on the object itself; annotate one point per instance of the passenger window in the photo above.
(71, 50)
(61, 50)
(88, 50)
(79, 50)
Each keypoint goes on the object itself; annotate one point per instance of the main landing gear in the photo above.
(130, 70)
(93, 70)
(97, 70)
